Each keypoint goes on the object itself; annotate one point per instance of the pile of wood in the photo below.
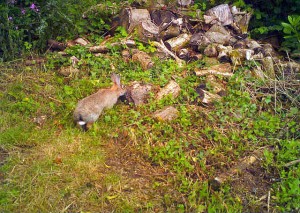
(220, 34)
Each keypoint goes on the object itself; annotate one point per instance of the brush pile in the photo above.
(221, 34)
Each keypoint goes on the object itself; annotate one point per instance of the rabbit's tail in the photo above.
(82, 123)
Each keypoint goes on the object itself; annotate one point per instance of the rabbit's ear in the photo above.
(116, 79)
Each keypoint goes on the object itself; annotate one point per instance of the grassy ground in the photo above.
(128, 161)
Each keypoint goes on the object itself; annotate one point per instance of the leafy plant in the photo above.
(291, 32)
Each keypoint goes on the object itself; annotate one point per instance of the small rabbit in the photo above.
(89, 109)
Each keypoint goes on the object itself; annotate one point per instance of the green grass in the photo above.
(130, 162)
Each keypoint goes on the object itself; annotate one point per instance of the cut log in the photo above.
(241, 22)
(172, 31)
(104, 48)
(167, 114)
(220, 13)
(171, 88)
(162, 18)
(81, 41)
(200, 41)
(219, 35)
(147, 30)
(178, 42)
(184, 3)
(220, 69)
(207, 97)
(138, 93)
(131, 18)
(253, 45)
(144, 59)
(224, 53)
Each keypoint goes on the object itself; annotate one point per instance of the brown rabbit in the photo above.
(89, 109)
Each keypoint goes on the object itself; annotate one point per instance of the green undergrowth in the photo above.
(53, 166)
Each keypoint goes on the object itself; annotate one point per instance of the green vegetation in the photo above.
(54, 166)
(128, 161)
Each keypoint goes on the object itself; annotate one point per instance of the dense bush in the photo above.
(29, 24)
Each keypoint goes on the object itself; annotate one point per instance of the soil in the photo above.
(3, 156)
(140, 181)
(253, 186)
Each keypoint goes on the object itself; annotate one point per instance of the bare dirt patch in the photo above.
(253, 187)
(142, 185)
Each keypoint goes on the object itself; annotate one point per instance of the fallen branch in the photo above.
(291, 163)
(105, 48)
(165, 50)
(221, 69)
(212, 72)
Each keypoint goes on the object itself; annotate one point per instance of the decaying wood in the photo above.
(184, 3)
(241, 22)
(55, 45)
(167, 114)
(81, 41)
(219, 35)
(105, 48)
(173, 30)
(237, 56)
(171, 88)
(178, 42)
(239, 168)
(168, 52)
(144, 59)
(131, 18)
(211, 50)
(207, 97)
(220, 13)
(147, 30)
(200, 41)
(138, 93)
(224, 53)
(220, 69)
(162, 18)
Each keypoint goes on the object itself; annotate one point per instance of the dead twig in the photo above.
(292, 163)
